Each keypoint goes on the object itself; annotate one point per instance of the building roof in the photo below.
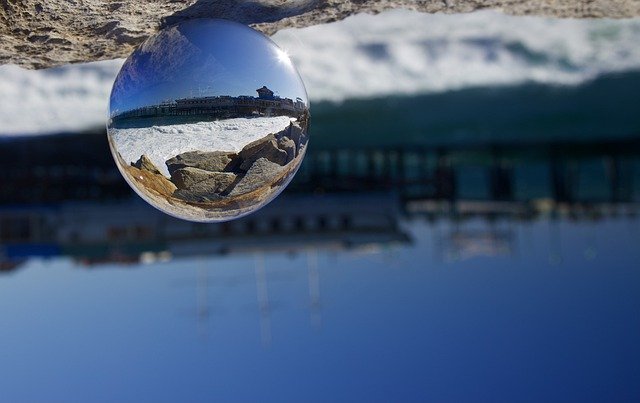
(264, 93)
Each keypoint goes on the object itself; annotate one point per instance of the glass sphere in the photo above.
(208, 120)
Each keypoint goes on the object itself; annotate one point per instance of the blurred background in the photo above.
(464, 228)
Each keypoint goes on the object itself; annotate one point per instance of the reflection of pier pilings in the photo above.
(560, 180)
(621, 176)
(202, 290)
(314, 288)
(502, 178)
(263, 300)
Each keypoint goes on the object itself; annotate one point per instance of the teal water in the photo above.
(605, 108)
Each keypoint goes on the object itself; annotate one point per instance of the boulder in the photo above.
(288, 145)
(145, 163)
(282, 133)
(192, 178)
(262, 173)
(214, 161)
(196, 185)
(296, 134)
(151, 181)
(266, 147)
(194, 197)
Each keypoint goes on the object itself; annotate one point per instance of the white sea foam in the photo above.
(160, 143)
(69, 98)
(395, 52)
(405, 52)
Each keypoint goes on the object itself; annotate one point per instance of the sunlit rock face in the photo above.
(39, 34)
(208, 120)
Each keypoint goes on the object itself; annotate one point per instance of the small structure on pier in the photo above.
(264, 93)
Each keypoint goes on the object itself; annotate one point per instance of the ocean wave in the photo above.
(365, 56)
(69, 98)
(405, 52)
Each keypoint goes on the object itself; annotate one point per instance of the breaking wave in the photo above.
(405, 52)
(398, 52)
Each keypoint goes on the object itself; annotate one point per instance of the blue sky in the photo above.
(207, 57)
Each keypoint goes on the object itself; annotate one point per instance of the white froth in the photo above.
(160, 143)
(70, 98)
(395, 52)
(405, 52)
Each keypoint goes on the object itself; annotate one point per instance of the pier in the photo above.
(213, 107)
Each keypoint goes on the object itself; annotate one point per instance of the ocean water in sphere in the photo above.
(208, 120)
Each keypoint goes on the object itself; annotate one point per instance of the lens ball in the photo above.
(208, 120)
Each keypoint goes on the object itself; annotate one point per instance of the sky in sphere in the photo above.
(204, 58)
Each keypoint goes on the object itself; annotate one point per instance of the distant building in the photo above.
(264, 93)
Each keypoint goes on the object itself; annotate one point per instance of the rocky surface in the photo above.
(39, 34)
(192, 178)
(203, 186)
(266, 147)
(202, 195)
(145, 163)
(219, 161)
(262, 172)
(295, 133)
(202, 177)
(149, 177)
(288, 146)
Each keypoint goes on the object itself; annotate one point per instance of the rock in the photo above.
(151, 181)
(296, 134)
(288, 145)
(39, 34)
(282, 133)
(193, 197)
(194, 178)
(214, 161)
(145, 163)
(266, 147)
(262, 173)
(197, 185)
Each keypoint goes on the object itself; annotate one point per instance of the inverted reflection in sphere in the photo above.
(208, 120)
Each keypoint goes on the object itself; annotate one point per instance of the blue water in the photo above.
(549, 315)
